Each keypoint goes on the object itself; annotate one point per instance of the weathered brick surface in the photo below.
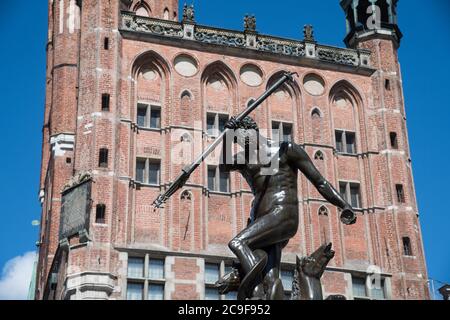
(80, 71)
(334, 283)
(185, 292)
(185, 269)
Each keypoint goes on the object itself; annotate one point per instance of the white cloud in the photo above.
(16, 276)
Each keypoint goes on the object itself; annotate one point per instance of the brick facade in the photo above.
(141, 67)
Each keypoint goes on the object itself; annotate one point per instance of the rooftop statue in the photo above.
(250, 23)
(188, 13)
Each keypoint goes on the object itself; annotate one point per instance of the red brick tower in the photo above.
(372, 25)
(59, 122)
(131, 90)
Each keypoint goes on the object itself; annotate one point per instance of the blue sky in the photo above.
(425, 66)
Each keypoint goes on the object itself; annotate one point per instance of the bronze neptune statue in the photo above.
(271, 170)
(274, 216)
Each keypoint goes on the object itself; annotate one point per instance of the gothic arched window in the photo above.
(186, 195)
(186, 108)
(319, 156)
(142, 11)
(186, 95)
(166, 15)
(315, 113)
(186, 138)
(323, 211)
(317, 127)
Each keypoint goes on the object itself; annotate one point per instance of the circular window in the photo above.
(186, 65)
(314, 85)
(251, 75)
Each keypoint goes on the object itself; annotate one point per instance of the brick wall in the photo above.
(81, 70)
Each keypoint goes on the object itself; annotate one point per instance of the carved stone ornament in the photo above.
(225, 38)
(278, 46)
(236, 39)
(151, 26)
(340, 56)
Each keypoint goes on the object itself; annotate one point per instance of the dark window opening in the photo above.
(343, 189)
(211, 178)
(223, 119)
(53, 280)
(315, 114)
(148, 171)
(339, 144)
(106, 44)
(384, 11)
(407, 246)
(103, 158)
(319, 156)
(142, 115)
(345, 142)
(100, 214)
(400, 193)
(364, 12)
(155, 118)
(287, 132)
(218, 180)
(282, 131)
(355, 195)
(148, 116)
(140, 170)
(154, 171)
(276, 135)
(323, 211)
(350, 140)
(224, 181)
(105, 102)
(394, 140)
(186, 95)
(387, 84)
(210, 123)
(351, 192)
(215, 123)
(68, 160)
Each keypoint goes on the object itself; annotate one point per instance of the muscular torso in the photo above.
(271, 191)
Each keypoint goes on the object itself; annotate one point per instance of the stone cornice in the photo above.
(191, 34)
